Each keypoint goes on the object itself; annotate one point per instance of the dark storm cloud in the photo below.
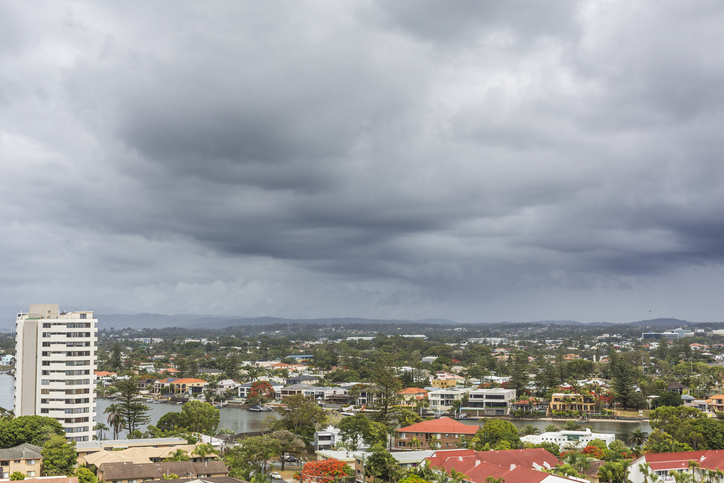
(397, 159)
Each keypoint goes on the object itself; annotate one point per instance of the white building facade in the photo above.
(491, 402)
(55, 362)
(577, 439)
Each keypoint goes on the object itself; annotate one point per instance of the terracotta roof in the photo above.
(710, 459)
(188, 380)
(104, 373)
(479, 472)
(442, 425)
(413, 390)
(532, 458)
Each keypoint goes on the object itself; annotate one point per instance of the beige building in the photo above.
(443, 383)
(55, 362)
(130, 472)
(24, 458)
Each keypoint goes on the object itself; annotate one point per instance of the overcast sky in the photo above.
(477, 161)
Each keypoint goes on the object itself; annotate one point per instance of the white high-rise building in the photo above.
(55, 360)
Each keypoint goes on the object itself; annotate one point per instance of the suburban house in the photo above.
(716, 403)
(25, 458)
(506, 467)
(572, 402)
(187, 385)
(442, 399)
(410, 396)
(491, 402)
(579, 439)
(661, 464)
(443, 433)
(443, 383)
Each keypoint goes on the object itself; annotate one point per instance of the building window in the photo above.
(83, 316)
(31, 462)
(31, 473)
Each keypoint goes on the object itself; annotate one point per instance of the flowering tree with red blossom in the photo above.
(325, 471)
(260, 392)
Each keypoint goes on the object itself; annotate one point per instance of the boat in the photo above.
(256, 408)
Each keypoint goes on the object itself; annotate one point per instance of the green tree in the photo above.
(614, 471)
(171, 421)
(529, 429)
(200, 417)
(115, 418)
(353, 430)
(59, 456)
(17, 476)
(494, 431)
(115, 362)
(669, 398)
(519, 372)
(100, 428)
(382, 465)
(386, 385)
(624, 379)
(251, 456)
(134, 413)
(203, 450)
(301, 416)
(178, 455)
(85, 475)
(289, 445)
(34, 430)
(638, 437)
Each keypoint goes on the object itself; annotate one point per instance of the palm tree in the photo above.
(100, 427)
(638, 437)
(614, 471)
(433, 442)
(415, 443)
(579, 461)
(571, 426)
(529, 429)
(647, 472)
(694, 466)
(457, 477)
(178, 455)
(551, 428)
(490, 479)
(682, 477)
(115, 419)
(203, 450)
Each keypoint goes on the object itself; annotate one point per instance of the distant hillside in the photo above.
(661, 323)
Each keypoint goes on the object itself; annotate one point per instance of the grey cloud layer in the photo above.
(405, 159)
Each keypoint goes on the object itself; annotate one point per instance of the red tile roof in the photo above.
(515, 466)
(479, 472)
(442, 425)
(413, 390)
(533, 458)
(710, 459)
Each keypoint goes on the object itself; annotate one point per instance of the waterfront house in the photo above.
(443, 433)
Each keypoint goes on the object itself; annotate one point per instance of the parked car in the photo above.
(276, 476)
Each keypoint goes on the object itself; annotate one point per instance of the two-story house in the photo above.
(443, 433)
(24, 458)
(491, 402)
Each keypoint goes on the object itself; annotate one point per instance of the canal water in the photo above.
(242, 421)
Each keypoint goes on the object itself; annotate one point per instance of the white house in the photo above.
(442, 399)
(578, 439)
